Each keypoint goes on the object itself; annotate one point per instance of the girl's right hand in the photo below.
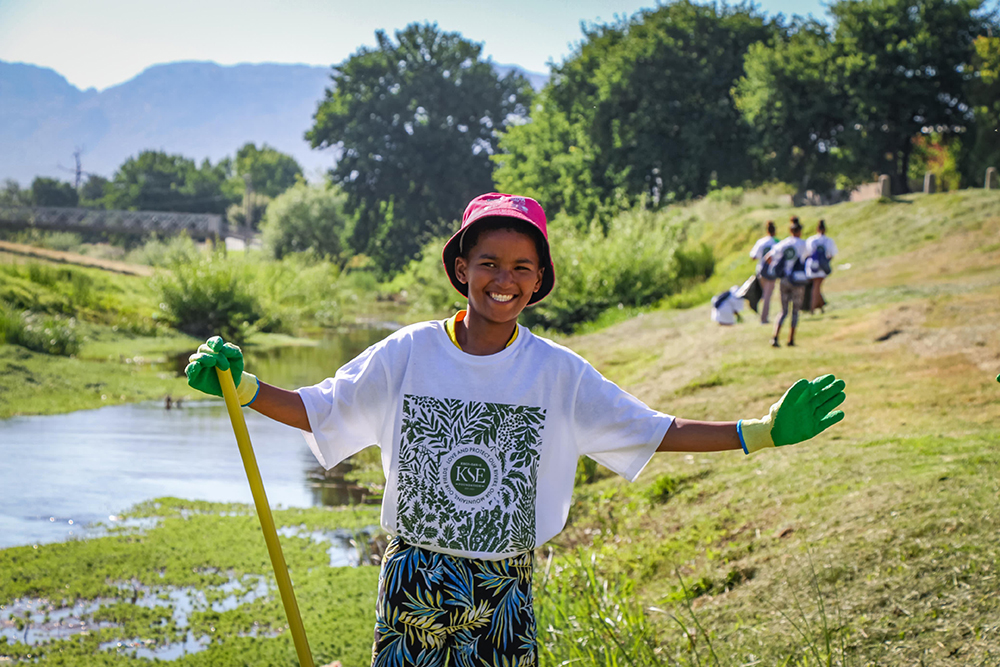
(218, 354)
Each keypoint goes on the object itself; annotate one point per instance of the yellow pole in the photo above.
(266, 520)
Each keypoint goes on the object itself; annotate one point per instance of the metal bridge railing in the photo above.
(164, 223)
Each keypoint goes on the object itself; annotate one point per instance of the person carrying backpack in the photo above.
(820, 249)
(789, 257)
(765, 269)
(481, 424)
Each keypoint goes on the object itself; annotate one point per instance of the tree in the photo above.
(791, 95)
(984, 95)
(552, 160)
(269, 171)
(157, 181)
(306, 218)
(11, 194)
(259, 175)
(93, 190)
(647, 101)
(415, 122)
(52, 192)
(904, 68)
(851, 100)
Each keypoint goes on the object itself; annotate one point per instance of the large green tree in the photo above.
(905, 65)
(644, 108)
(414, 121)
(157, 181)
(984, 95)
(887, 71)
(93, 191)
(791, 95)
(11, 194)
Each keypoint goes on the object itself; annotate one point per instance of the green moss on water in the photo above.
(200, 546)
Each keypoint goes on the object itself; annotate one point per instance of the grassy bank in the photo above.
(873, 544)
(886, 525)
(115, 350)
(76, 337)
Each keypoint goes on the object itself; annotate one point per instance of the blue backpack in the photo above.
(720, 298)
(819, 260)
(765, 270)
(798, 268)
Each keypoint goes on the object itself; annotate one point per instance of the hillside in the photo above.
(198, 109)
(894, 508)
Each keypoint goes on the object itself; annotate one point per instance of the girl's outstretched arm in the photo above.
(806, 410)
(686, 435)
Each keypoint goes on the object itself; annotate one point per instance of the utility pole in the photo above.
(79, 169)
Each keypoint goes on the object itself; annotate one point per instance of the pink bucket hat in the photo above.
(498, 205)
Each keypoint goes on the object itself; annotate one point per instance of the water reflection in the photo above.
(62, 473)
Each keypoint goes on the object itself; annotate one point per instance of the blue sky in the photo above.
(99, 43)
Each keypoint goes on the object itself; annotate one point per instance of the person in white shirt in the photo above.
(481, 424)
(790, 256)
(726, 307)
(820, 249)
(765, 270)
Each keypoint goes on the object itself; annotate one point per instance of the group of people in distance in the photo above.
(798, 264)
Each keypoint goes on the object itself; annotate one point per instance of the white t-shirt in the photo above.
(788, 251)
(761, 247)
(479, 452)
(726, 311)
(812, 243)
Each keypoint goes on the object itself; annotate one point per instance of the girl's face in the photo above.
(502, 271)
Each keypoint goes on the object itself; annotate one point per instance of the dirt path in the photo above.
(74, 258)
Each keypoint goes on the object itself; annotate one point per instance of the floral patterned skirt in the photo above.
(439, 610)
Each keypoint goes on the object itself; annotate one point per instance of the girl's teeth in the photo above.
(502, 297)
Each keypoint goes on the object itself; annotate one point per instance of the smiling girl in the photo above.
(480, 425)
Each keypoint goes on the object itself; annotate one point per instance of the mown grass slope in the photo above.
(892, 513)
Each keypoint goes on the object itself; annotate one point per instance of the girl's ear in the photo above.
(538, 283)
(461, 266)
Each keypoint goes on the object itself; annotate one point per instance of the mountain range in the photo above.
(198, 109)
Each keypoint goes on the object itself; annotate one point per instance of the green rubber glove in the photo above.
(217, 353)
(805, 411)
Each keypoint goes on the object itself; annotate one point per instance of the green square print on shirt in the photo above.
(467, 474)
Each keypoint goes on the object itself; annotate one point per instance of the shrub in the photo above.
(41, 333)
(306, 218)
(210, 296)
(165, 252)
(301, 290)
(638, 262)
(425, 285)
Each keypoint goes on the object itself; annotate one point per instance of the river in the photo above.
(63, 475)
